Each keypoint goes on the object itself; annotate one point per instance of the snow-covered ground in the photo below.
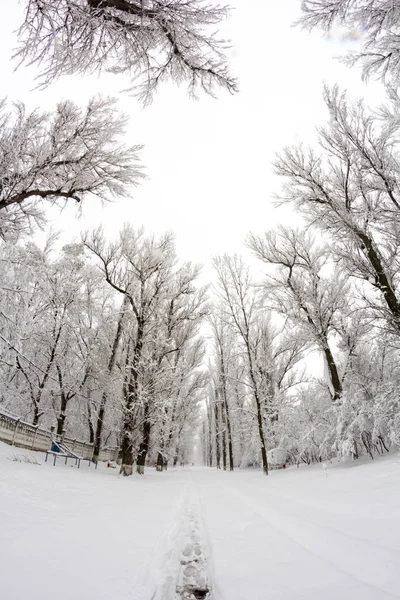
(91, 535)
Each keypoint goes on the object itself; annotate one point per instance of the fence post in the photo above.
(15, 431)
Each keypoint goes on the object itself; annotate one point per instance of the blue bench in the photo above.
(59, 450)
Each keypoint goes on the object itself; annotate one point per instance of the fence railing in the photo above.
(17, 432)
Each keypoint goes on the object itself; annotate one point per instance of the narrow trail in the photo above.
(182, 559)
(194, 580)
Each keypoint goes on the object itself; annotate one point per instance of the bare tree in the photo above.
(223, 350)
(301, 292)
(138, 268)
(236, 289)
(69, 155)
(351, 192)
(375, 22)
(149, 40)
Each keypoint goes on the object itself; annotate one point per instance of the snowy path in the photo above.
(91, 535)
(266, 546)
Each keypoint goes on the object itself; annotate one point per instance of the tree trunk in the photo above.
(333, 372)
(63, 407)
(160, 462)
(144, 445)
(222, 411)
(99, 427)
(217, 436)
(259, 411)
(127, 450)
(261, 435)
(36, 414)
(227, 417)
(230, 446)
(110, 367)
(382, 280)
(62, 416)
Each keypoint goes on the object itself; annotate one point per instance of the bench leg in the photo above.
(54, 463)
(47, 454)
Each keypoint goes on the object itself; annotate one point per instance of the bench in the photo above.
(60, 450)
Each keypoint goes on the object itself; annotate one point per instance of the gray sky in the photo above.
(208, 162)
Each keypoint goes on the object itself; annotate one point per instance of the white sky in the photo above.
(208, 162)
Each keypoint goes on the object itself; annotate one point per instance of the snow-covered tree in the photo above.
(149, 41)
(72, 154)
(164, 311)
(375, 23)
(351, 192)
(311, 299)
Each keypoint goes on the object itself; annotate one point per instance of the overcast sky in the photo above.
(208, 161)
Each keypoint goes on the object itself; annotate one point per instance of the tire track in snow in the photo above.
(260, 511)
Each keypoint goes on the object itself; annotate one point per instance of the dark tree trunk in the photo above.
(62, 416)
(222, 413)
(90, 426)
(259, 412)
(90, 417)
(382, 281)
(63, 406)
(210, 440)
(261, 435)
(217, 435)
(227, 417)
(36, 414)
(99, 427)
(131, 393)
(333, 373)
(110, 367)
(230, 445)
(127, 448)
(144, 445)
(160, 462)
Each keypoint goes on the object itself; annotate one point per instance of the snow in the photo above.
(88, 534)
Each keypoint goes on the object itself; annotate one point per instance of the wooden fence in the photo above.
(17, 432)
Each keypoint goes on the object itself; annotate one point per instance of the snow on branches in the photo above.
(67, 155)
(150, 41)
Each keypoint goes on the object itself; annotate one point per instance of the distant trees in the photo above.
(241, 308)
(149, 41)
(159, 328)
(253, 366)
(97, 366)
